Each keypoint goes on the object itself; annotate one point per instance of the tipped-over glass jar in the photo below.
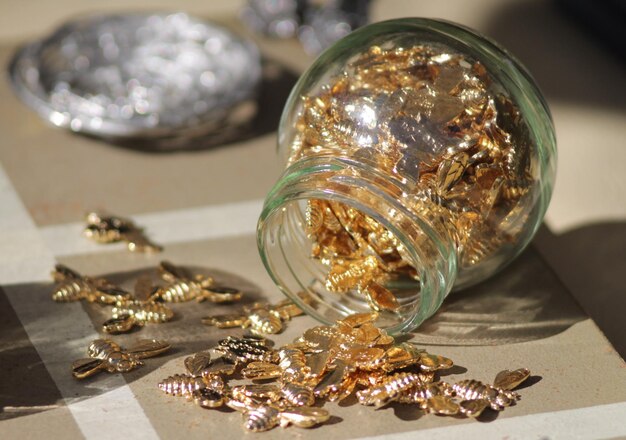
(420, 156)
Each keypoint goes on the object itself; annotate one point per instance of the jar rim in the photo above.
(302, 181)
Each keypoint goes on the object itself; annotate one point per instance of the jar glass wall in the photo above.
(420, 156)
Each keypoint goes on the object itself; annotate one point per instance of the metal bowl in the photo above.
(137, 75)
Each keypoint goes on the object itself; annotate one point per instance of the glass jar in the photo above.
(420, 157)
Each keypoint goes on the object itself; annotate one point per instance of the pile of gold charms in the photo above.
(148, 303)
(111, 229)
(331, 363)
(106, 355)
(455, 143)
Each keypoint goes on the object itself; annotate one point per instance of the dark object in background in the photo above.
(274, 18)
(331, 22)
(604, 19)
(317, 25)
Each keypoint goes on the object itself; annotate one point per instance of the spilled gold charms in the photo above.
(106, 355)
(111, 229)
(331, 363)
(263, 405)
(148, 303)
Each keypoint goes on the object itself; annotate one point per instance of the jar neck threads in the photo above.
(286, 249)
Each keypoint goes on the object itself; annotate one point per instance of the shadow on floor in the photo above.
(526, 301)
(591, 263)
(28, 386)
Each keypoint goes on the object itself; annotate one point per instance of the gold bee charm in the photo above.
(380, 298)
(128, 314)
(303, 417)
(298, 395)
(472, 389)
(187, 385)
(434, 362)
(111, 229)
(262, 371)
(257, 394)
(422, 392)
(106, 355)
(260, 318)
(338, 383)
(391, 389)
(261, 419)
(364, 275)
(293, 364)
(509, 380)
(244, 350)
(197, 363)
(208, 398)
(473, 408)
(347, 274)
(264, 418)
(138, 310)
(72, 286)
(450, 171)
(181, 385)
(442, 406)
(203, 383)
(183, 286)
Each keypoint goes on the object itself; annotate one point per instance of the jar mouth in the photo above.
(285, 247)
